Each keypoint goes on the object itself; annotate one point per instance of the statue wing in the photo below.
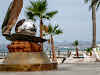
(11, 16)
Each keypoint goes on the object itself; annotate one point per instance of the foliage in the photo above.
(97, 2)
(54, 30)
(39, 9)
(76, 43)
(88, 50)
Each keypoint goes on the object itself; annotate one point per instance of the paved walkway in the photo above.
(65, 69)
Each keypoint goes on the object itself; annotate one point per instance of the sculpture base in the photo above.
(28, 67)
(23, 61)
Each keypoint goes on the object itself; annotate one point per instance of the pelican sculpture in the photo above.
(25, 52)
(11, 16)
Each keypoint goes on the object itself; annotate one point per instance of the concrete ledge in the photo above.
(28, 67)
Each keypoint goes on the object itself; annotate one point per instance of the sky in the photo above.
(74, 18)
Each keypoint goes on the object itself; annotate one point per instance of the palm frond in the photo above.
(30, 15)
(43, 5)
(55, 27)
(92, 3)
(32, 4)
(39, 6)
(46, 17)
(95, 2)
(51, 14)
(98, 4)
(86, 1)
(54, 30)
(58, 31)
(76, 43)
(88, 50)
(30, 9)
(50, 29)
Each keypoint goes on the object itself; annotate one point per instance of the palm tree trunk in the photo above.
(41, 35)
(94, 25)
(90, 53)
(77, 54)
(53, 50)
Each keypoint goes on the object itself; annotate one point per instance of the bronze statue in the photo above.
(11, 16)
(25, 52)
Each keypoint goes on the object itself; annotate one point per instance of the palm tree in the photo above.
(38, 10)
(52, 31)
(76, 43)
(94, 5)
(89, 50)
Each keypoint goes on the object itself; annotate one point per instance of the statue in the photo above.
(25, 52)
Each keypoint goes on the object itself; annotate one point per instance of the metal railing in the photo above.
(3, 54)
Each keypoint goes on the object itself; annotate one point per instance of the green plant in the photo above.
(52, 31)
(76, 43)
(94, 5)
(89, 50)
(38, 11)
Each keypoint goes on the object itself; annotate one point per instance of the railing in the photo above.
(59, 54)
(3, 54)
(62, 54)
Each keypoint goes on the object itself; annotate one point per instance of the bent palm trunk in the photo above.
(77, 54)
(41, 35)
(53, 50)
(90, 53)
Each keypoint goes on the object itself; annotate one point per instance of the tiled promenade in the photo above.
(65, 69)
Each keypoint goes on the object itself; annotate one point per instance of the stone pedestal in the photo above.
(26, 56)
(24, 46)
